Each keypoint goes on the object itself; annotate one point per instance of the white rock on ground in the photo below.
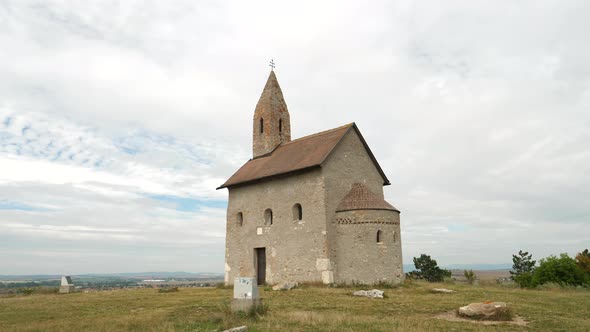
(285, 285)
(488, 311)
(374, 293)
(442, 290)
(237, 329)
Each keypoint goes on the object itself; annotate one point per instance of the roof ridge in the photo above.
(307, 152)
(319, 133)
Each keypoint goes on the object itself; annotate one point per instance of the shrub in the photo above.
(26, 291)
(448, 280)
(470, 276)
(523, 268)
(168, 290)
(427, 268)
(562, 271)
(583, 260)
(524, 280)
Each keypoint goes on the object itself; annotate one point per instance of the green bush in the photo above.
(583, 260)
(427, 268)
(168, 290)
(561, 270)
(26, 291)
(524, 279)
(470, 276)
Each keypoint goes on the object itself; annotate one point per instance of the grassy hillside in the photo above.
(407, 308)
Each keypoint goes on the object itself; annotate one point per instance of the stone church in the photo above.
(309, 209)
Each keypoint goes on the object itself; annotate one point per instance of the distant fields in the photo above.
(410, 307)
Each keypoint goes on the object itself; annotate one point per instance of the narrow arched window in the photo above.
(394, 236)
(240, 218)
(268, 217)
(297, 212)
(379, 237)
(280, 125)
(261, 125)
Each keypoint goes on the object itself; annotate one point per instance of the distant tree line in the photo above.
(51, 283)
(562, 270)
(86, 283)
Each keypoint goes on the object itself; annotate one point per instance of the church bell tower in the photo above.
(272, 126)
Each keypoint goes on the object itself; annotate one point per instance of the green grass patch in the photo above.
(408, 307)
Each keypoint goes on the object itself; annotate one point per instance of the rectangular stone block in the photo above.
(323, 264)
(245, 305)
(66, 289)
(328, 277)
(245, 288)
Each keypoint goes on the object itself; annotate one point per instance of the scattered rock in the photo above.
(285, 285)
(237, 329)
(452, 316)
(486, 311)
(442, 290)
(374, 293)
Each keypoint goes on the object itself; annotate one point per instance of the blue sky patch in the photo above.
(189, 204)
(10, 205)
(24, 130)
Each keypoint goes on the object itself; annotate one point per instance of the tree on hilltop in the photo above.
(583, 260)
(427, 268)
(523, 268)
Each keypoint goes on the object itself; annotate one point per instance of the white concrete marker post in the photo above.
(67, 286)
(245, 295)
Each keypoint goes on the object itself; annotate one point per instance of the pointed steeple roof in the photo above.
(272, 98)
(272, 124)
(362, 198)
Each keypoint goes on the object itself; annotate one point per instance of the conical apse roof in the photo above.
(361, 198)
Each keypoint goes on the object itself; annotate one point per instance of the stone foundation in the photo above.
(245, 305)
(66, 289)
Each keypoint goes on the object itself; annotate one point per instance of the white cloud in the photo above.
(478, 113)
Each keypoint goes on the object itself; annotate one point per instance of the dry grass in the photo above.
(411, 307)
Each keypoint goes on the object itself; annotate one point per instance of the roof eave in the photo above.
(381, 209)
(264, 178)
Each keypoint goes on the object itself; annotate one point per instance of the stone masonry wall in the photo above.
(359, 257)
(348, 164)
(295, 250)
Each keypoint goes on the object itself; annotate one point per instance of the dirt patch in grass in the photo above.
(452, 316)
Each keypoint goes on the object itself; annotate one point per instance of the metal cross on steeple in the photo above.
(272, 64)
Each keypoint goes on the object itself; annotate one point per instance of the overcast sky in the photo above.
(118, 119)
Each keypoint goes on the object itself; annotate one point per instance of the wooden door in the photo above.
(260, 266)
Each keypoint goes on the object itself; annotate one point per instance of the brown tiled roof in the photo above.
(361, 198)
(294, 156)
